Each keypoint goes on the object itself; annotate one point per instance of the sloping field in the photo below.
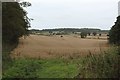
(38, 46)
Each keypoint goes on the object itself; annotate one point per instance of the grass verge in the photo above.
(104, 65)
(6, 51)
(31, 68)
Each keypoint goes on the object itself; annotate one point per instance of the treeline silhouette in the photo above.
(89, 30)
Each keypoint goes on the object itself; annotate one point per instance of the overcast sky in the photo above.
(49, 14)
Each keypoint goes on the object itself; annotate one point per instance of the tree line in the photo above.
(73, 29)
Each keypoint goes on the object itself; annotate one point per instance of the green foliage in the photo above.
(23, 69)
(35, 68)
(104, 65)
(83, 34)
(6, 59)
(15, 22)
(114, 34)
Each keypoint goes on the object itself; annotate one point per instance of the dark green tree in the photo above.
(15, 22)
(114, 34)
(83, 34)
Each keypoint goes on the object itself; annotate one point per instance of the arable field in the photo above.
(39, 46)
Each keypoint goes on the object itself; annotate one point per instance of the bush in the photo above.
(83, 34)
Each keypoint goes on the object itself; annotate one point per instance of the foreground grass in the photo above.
(104, 65)
(6, 51)
(31, 68)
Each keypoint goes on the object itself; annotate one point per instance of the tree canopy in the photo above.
(15, 22)
(114, 34)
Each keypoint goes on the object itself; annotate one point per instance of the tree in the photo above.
(15, 22)
(83, 34)
(114, 34)
(94, 33)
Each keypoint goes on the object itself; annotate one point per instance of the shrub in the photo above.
(83, 34)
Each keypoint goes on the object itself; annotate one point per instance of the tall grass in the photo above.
(104, 65)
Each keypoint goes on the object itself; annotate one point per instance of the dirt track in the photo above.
(46, 46)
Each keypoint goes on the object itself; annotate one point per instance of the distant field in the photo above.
(39, 46)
